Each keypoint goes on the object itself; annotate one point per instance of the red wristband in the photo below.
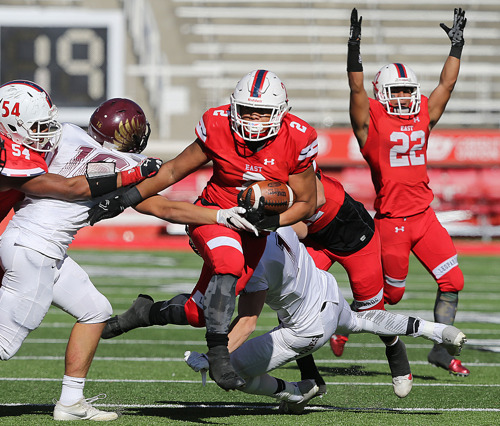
(131, 176)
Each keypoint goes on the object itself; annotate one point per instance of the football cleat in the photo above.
(453, 340)
(136, 316)
(337, 342)
(402, 385)
(83, 410)
(308, 389)
(220, 369)
(456, 368)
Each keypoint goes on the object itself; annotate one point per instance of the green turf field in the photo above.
(146, 379)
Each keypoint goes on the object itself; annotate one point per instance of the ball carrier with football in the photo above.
(253, 138)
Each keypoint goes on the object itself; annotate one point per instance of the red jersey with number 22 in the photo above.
(292, 151)
(20, 162)
(396, 150)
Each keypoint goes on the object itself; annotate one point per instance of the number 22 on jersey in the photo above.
(402, 154)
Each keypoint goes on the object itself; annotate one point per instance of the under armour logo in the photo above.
(416, 119)
(396, 229)
(266, 161)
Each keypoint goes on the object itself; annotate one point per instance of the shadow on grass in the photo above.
(354, 370)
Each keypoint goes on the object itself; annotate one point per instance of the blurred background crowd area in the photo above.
(177, 58)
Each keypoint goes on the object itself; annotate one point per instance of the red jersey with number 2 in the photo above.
(20, 162)
(292, 151)
(396, 151)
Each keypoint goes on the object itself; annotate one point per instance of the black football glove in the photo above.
(355, 31)
(456, 32)
(150, 167)
(258, 217)
(112, 207)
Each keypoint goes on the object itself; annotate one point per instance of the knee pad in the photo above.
(393, 290)
(452, 281)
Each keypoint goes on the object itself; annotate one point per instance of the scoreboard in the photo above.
(76, 55)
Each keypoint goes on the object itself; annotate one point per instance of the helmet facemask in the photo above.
(42, 135)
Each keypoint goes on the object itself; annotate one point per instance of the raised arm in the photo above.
(359, 105)
(440, 96)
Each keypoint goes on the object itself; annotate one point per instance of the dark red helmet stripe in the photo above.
(258, 82)
(401, 70)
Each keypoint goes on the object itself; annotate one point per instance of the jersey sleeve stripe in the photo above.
(22, 172)
(309, 151)
(201, 131)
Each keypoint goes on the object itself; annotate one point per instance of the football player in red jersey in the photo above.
(393, 131)
(30, 131)
(252, 138)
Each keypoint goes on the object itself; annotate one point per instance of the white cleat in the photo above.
(453, 340)
(308, 389)
(83, 410)
(402, 385)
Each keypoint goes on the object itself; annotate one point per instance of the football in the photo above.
(278, 196)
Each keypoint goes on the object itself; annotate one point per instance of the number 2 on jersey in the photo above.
(402, 155)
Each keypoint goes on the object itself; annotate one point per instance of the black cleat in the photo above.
(136, 316)
(221, 371)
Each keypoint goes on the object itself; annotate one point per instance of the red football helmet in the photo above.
(120, 124)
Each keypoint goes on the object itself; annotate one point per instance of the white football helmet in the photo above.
(28, 116)
(263, 90)
(397, 75)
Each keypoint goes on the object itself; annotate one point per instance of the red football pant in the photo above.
(423, 235)
(364, 269)
(224, 251)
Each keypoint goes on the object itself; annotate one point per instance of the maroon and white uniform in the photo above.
(225, 251)
(21, 162)
(396, 151)
(342, 231)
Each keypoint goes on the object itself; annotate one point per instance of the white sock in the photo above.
(430, 330)
(72, 390)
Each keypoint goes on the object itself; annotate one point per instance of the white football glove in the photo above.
(198, 362)
(232, 219)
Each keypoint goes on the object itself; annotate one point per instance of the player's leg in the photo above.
(233, 258)
(390, 324)
(437, 253)
(25, 292)
(75, 294)
(306, 364)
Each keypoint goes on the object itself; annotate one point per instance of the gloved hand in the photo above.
(112, 207)
(355, 30)
(198, 362)
(258, 216)
(233, 219)
(146, 169)
(456, 32)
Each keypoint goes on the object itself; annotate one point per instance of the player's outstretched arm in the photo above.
(249, 308)
(439, 98)
(81, 187)
(189, 160)
(359, 105)
(190, 214)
